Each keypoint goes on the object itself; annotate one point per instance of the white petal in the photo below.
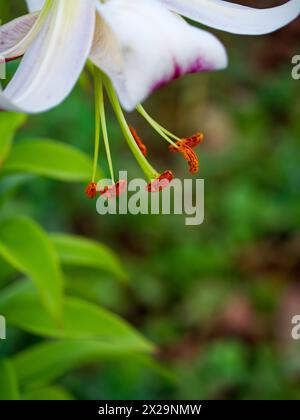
(234, 18)
(54, 61)
(141, 46)
(15, 36)
(34, 5)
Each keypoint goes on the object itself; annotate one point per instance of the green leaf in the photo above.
(9, 389)
(77, 251)
(9, 123)
(50, 393)
(80, 320)
(44, 363)
(51, 159)
(25, 246)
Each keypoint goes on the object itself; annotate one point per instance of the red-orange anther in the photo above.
(161, 182)
(194, 141)
(189, 155)
(191, 142)
(113, 191)
(186, 146)
(138, 141)
(91, 190)
(192, 159)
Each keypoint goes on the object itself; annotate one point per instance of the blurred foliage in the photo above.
(216, 299)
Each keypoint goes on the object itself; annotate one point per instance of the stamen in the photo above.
(158, 128)
(113, 191)
(160, 182)
(138, 141)
(192, 159)
(91, 190)
(191, 142)
(189, 155)
(104, 127)
(186, 146)
(194, 141)
(97, 124)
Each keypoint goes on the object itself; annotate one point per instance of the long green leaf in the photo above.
(49, 158)
(77, 251)
(46, 362)
(9, 123)
(9, 389)
(26, 247)
(79, 320)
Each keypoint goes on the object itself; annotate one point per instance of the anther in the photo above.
(91, 190)
(194, 141)
(138, 141)
(186, 146)
(191, 142)
(161, 182)
(192, 159)
(113, 191)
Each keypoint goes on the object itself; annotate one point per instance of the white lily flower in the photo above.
(139, 44)
(136, 46)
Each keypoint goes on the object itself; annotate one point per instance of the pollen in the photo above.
(186, 146)
(139, 141)
(192, 159)
(194, 141)
(191, 142)
(161, 182)
(113, 191)
(91, 190)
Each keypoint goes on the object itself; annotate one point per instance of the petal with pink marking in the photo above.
(142, 46)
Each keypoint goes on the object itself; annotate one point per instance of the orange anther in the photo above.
(91, 190)
(113, 191)
(161, 182)
(186, 146)
(138, 141)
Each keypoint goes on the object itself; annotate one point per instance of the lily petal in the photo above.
(54, 61)
(34, 5)
(234, 18)
(142, 46)
(15, 36)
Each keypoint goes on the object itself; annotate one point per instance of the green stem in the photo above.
(148, 170)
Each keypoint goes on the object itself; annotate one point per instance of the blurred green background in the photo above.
(216, 299)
